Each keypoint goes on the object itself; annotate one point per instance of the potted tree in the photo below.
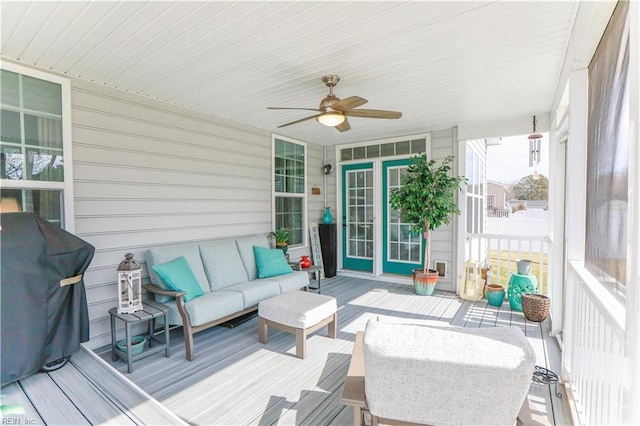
(426, 200)
(282, 239)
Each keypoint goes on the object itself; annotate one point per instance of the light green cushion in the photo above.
(167, 253)
(222, 263)
(209, 307)
(294, 281)
(178, 277)
(255, 291)
(271, 262)
(245, 248)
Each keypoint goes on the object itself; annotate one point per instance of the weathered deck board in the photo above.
(236, 380)
(85, 391)
(52, 404)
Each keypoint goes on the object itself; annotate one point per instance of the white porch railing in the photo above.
(593, 355)
(502, 252)
(495, 212)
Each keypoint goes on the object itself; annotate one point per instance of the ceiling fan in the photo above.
(334, 111)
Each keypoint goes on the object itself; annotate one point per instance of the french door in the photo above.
(402, 250)
(365, 196)
(357, 217)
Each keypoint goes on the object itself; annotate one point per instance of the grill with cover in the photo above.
(44, 305)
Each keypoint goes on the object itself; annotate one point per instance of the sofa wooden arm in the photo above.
(184, 314)
(161, 291)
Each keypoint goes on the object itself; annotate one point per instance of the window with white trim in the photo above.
(34, 146)
(289, 177)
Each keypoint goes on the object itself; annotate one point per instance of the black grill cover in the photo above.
(42, 321)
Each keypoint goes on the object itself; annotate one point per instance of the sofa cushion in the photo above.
(442, 375)
(290, 282)
(222, 263)
(163, 254)
(177, 275)
(209, 307)
(245, 248)
(271, 262)
(255, 291)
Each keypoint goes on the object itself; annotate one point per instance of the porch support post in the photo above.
(632, 326)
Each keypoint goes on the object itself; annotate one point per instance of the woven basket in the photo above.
(535, 306)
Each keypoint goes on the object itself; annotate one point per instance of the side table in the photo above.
(519, 284)
(150, 312)
(316, 270)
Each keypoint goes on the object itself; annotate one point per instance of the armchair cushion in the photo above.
(449, 375)
(178, 276)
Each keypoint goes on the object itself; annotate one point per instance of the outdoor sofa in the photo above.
(212, 282)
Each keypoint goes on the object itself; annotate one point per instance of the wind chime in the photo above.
(534, 145)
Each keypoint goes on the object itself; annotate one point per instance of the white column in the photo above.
(576, 192)
(576, 195)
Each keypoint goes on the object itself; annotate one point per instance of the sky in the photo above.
(509, 162)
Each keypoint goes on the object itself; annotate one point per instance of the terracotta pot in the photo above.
(424, 284)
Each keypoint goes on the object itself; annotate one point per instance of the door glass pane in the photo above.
(402, 245)
(359, 214)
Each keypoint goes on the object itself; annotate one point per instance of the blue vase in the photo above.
(327, 218)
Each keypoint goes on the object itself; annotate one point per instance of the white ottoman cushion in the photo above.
(298, 309)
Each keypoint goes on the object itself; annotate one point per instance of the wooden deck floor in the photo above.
(235, 380)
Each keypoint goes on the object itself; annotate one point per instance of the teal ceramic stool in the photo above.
(519, 284)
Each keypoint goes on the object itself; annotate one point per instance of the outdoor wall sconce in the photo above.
(326, 169)
(129, 285)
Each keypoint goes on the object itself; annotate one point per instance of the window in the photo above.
(35, 145)
(289, 189)
(608, 155)
(475, 210)
(491, 201)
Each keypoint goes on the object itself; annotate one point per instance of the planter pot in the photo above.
(535, 306)
(284, 247)
(137, 345)
(524, 266)
(424, 284)
(495, 294)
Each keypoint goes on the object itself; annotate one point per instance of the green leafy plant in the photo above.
(281, 236)
(426, 198)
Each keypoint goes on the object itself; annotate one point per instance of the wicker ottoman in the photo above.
(300, 313)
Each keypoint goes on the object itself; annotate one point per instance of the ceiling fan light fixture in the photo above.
(331, 118)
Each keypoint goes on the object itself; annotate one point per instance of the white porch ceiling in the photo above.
(440, 63)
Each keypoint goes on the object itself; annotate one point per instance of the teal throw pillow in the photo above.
(270, 262)
(178, 277)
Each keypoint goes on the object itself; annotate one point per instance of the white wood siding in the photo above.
(148, 173)
(443, 239)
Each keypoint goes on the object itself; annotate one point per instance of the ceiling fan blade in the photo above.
(372, 113)
(304, 109)
(344, 126)
(300, 121)
(349, 103)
